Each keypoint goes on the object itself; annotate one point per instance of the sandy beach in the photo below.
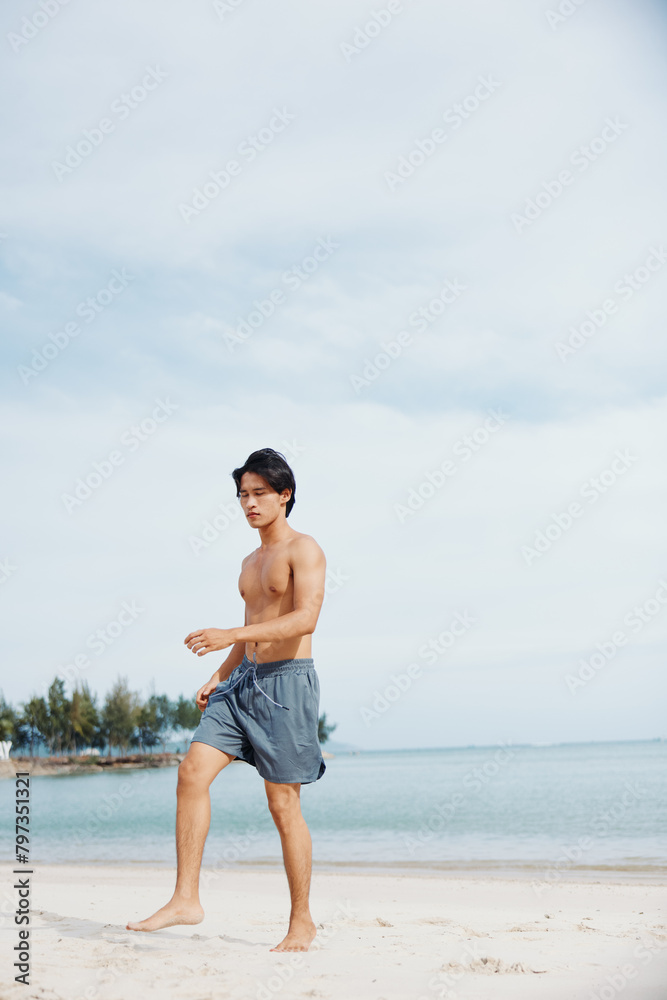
(381, 937)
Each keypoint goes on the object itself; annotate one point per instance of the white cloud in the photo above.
(8, 302)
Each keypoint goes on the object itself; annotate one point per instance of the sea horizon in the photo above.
(334, 747)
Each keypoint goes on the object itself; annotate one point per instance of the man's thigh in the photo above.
(202, 763)
(285, 743)
(223, 727)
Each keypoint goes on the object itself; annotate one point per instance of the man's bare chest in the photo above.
(263, 578)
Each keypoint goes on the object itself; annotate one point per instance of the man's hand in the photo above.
(201, 699)
(207, 639)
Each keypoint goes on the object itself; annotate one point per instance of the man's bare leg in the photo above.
(193, 817)
(285, 806)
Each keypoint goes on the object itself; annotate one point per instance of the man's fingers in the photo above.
(193, 635)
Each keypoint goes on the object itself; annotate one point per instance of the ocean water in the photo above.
(549, 811)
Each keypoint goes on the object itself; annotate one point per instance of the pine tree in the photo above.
(34, 723)
(83, 717)
(186, 714)
(120, 715)
(8, 720)
(325, 730)
(156, 720)
(58, 720)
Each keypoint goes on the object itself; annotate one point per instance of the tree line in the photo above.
(68, 725)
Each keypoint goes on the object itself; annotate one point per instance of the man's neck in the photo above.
(275, 532)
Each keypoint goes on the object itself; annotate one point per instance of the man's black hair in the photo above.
(273, 467)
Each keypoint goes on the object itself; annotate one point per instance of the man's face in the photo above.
(259, 501)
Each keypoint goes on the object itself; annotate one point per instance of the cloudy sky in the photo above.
(415, 246)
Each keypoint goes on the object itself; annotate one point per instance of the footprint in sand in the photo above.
(491, 966)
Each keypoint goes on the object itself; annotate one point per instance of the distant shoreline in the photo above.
(40, 766)
(53, 766)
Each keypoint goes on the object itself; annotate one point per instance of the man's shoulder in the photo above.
(301, 544)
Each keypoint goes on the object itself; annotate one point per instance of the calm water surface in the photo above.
(555, 809)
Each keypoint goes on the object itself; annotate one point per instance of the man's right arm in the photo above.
(233, 660)
(236, 654)
(221, 674)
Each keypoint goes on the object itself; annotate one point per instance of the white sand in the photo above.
(383, 937)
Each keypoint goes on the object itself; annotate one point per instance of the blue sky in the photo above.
(533, 170)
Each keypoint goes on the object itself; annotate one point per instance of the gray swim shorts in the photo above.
(266, 714)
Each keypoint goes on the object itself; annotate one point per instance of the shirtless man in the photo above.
(267, 712)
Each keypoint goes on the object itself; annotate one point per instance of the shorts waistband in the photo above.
(280, 666)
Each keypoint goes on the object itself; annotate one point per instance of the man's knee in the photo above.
(189, 776)
(283, 808)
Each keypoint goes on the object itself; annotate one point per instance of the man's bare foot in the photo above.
(299, 936)
(170, 915)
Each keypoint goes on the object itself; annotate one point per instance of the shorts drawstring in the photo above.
(254, 680)
(253, 667)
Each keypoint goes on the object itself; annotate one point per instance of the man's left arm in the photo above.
(309, 570)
